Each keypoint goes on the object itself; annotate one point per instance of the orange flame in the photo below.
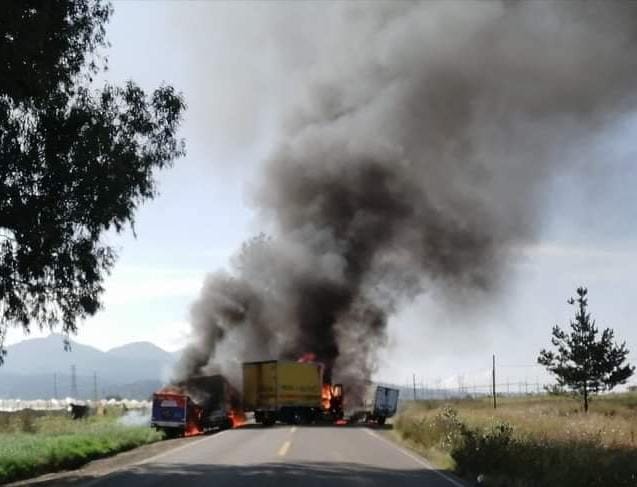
(192, 429)
(307, 357)
(326, 396)
(170, 389)
(193, 426)
(237, 417)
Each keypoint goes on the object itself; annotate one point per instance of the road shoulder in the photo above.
(107, 465)
(393, 438)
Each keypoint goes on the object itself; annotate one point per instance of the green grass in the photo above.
(32, 444)
(529, 441)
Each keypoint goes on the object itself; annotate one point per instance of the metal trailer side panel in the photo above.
(299, 384)
(385, 402)
(259, 386)
(250, 392)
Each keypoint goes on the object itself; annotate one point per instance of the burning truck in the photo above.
(380, 403)
(290, 392)
(196, 406)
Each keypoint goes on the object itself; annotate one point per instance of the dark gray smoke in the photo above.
(416, 152)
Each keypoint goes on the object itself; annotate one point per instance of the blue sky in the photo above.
(203, 214)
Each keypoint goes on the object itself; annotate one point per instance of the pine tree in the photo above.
(583, 362)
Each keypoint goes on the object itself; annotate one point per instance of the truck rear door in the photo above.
(259, 386)
(386, 401)
(169, 410)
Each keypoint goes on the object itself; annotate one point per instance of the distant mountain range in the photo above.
(40, 368)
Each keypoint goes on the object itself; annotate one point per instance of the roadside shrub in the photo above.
(441, 430)
(27, 421)
(5, 422)
(484, 451)
(532, 442)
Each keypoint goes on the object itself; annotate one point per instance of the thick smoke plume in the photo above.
(416, 152)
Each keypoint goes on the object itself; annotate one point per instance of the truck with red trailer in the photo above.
(197, 405)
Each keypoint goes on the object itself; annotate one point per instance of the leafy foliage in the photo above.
(582, 362)
(75, 161)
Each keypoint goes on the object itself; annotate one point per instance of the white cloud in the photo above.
(132, 285)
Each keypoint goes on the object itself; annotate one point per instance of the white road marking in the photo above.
(416, 459)
(284, 448)
(293, 429)
(148, 460)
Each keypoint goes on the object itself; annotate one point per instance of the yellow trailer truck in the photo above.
(286, 391)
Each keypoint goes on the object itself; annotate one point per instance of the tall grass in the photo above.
(540, 441)
(31, 444)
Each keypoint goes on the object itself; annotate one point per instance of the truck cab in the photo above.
(174, 413)
(169, 412)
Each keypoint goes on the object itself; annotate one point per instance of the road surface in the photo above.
(280, 456)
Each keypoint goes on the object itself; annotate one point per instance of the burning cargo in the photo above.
(197, 405)
(290, 392)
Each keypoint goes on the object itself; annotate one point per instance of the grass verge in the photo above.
(534, 442)
(55, 443)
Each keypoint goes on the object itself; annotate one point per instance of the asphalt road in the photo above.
(281, 456)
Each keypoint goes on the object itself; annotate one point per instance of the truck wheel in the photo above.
(381, 420)
(171, 433)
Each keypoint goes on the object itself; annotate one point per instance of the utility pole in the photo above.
(414, 378)
(95, 387)
(73, 382)
(495, 404)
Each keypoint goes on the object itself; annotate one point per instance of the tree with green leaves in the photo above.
(76, 160)
(585, 362)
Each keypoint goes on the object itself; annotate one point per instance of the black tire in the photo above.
(381, 420)
(171, 433)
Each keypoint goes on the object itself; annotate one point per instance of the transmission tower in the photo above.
(73, 382)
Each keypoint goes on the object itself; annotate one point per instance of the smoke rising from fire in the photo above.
(415, 151)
